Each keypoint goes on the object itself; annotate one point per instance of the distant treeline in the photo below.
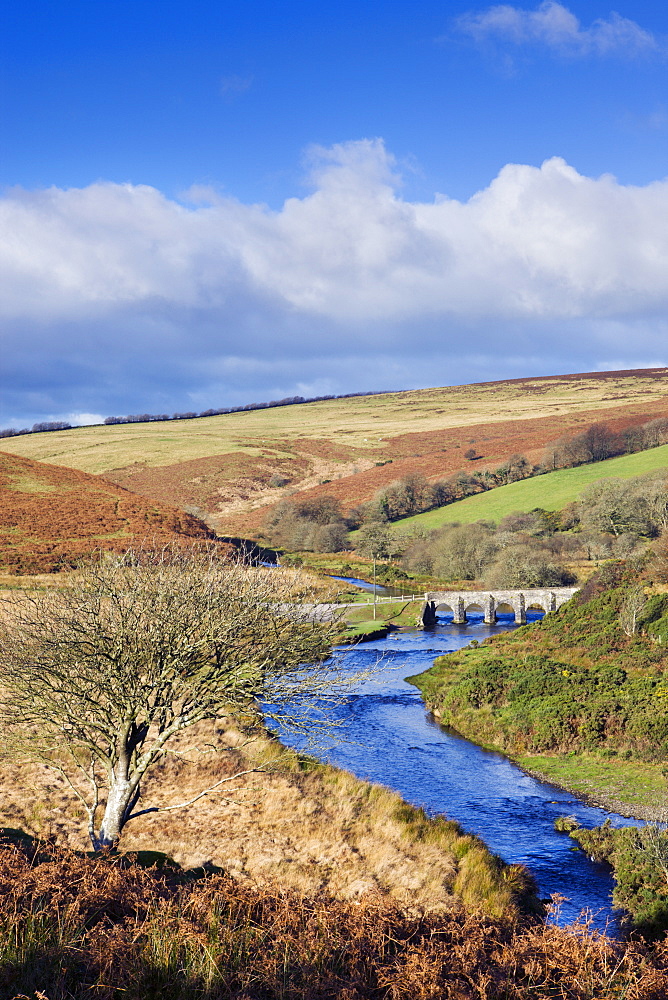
(318, 523)
(47, 425)
(145, 418)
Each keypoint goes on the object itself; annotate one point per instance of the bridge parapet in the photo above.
(489, 602)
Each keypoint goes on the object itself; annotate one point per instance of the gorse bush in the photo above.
(639, 858)
(573, 682)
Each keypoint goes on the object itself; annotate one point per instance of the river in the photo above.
(390, 738)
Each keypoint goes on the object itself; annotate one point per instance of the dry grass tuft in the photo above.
(296, 824)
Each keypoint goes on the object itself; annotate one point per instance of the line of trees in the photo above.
(622, 509)
(614, 518)
(414, 494)
(521, 552)
(599, 442)
(145, 418)
(44, 425)
(140, 418)
(314, 525)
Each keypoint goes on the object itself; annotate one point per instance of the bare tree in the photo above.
(631, 610)
(98, 676)
(373, 541)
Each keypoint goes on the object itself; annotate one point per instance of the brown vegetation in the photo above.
(74, 927)
(437, 455)
(51, 516)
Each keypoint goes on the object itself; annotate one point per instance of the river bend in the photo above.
(392, 739)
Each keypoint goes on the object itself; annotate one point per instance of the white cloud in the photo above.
(555, 26)
(83, 419)
(116, 298)
(539, 241)
(234, 85)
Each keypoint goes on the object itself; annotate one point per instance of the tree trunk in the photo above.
(120, 803)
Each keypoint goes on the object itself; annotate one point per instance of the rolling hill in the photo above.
(550, 492)
(51, 516)
(229, 468)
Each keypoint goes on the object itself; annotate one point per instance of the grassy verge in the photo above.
(361, 624)
(365, 630)
(630, 787)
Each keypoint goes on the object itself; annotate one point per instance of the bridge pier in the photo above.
(521, 611)
(458, 612)
(428, 614)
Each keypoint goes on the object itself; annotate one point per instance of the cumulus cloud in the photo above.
(555, 26)
(114, 293)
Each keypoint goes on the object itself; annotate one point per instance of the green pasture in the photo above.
(551, 491)
(613, 780)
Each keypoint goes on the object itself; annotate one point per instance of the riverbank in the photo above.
(390, 617)
(630, 788)
(365, 631)
(633, 789)
(572, 699)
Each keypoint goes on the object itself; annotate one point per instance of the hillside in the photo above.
(230, 467)
(551, 491)
(81, 927)
(50, 516)
(301, 826)
(579, 696)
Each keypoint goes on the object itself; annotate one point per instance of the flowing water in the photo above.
(391, 738)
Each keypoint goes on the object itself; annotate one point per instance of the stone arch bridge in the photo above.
(490, 603)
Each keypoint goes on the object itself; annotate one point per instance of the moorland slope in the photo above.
(51, 516)
(234, 467)
(80, 927)
(292, 823)
(551, 491)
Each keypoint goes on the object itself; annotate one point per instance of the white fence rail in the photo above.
(389, 600)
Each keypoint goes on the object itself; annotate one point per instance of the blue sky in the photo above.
(206, 204)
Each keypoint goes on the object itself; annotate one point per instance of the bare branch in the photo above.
(207, 791)
(100, 675)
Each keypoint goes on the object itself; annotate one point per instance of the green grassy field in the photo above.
(551, 491)
(363, 422)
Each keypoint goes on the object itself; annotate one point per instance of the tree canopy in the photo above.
(98, 675)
